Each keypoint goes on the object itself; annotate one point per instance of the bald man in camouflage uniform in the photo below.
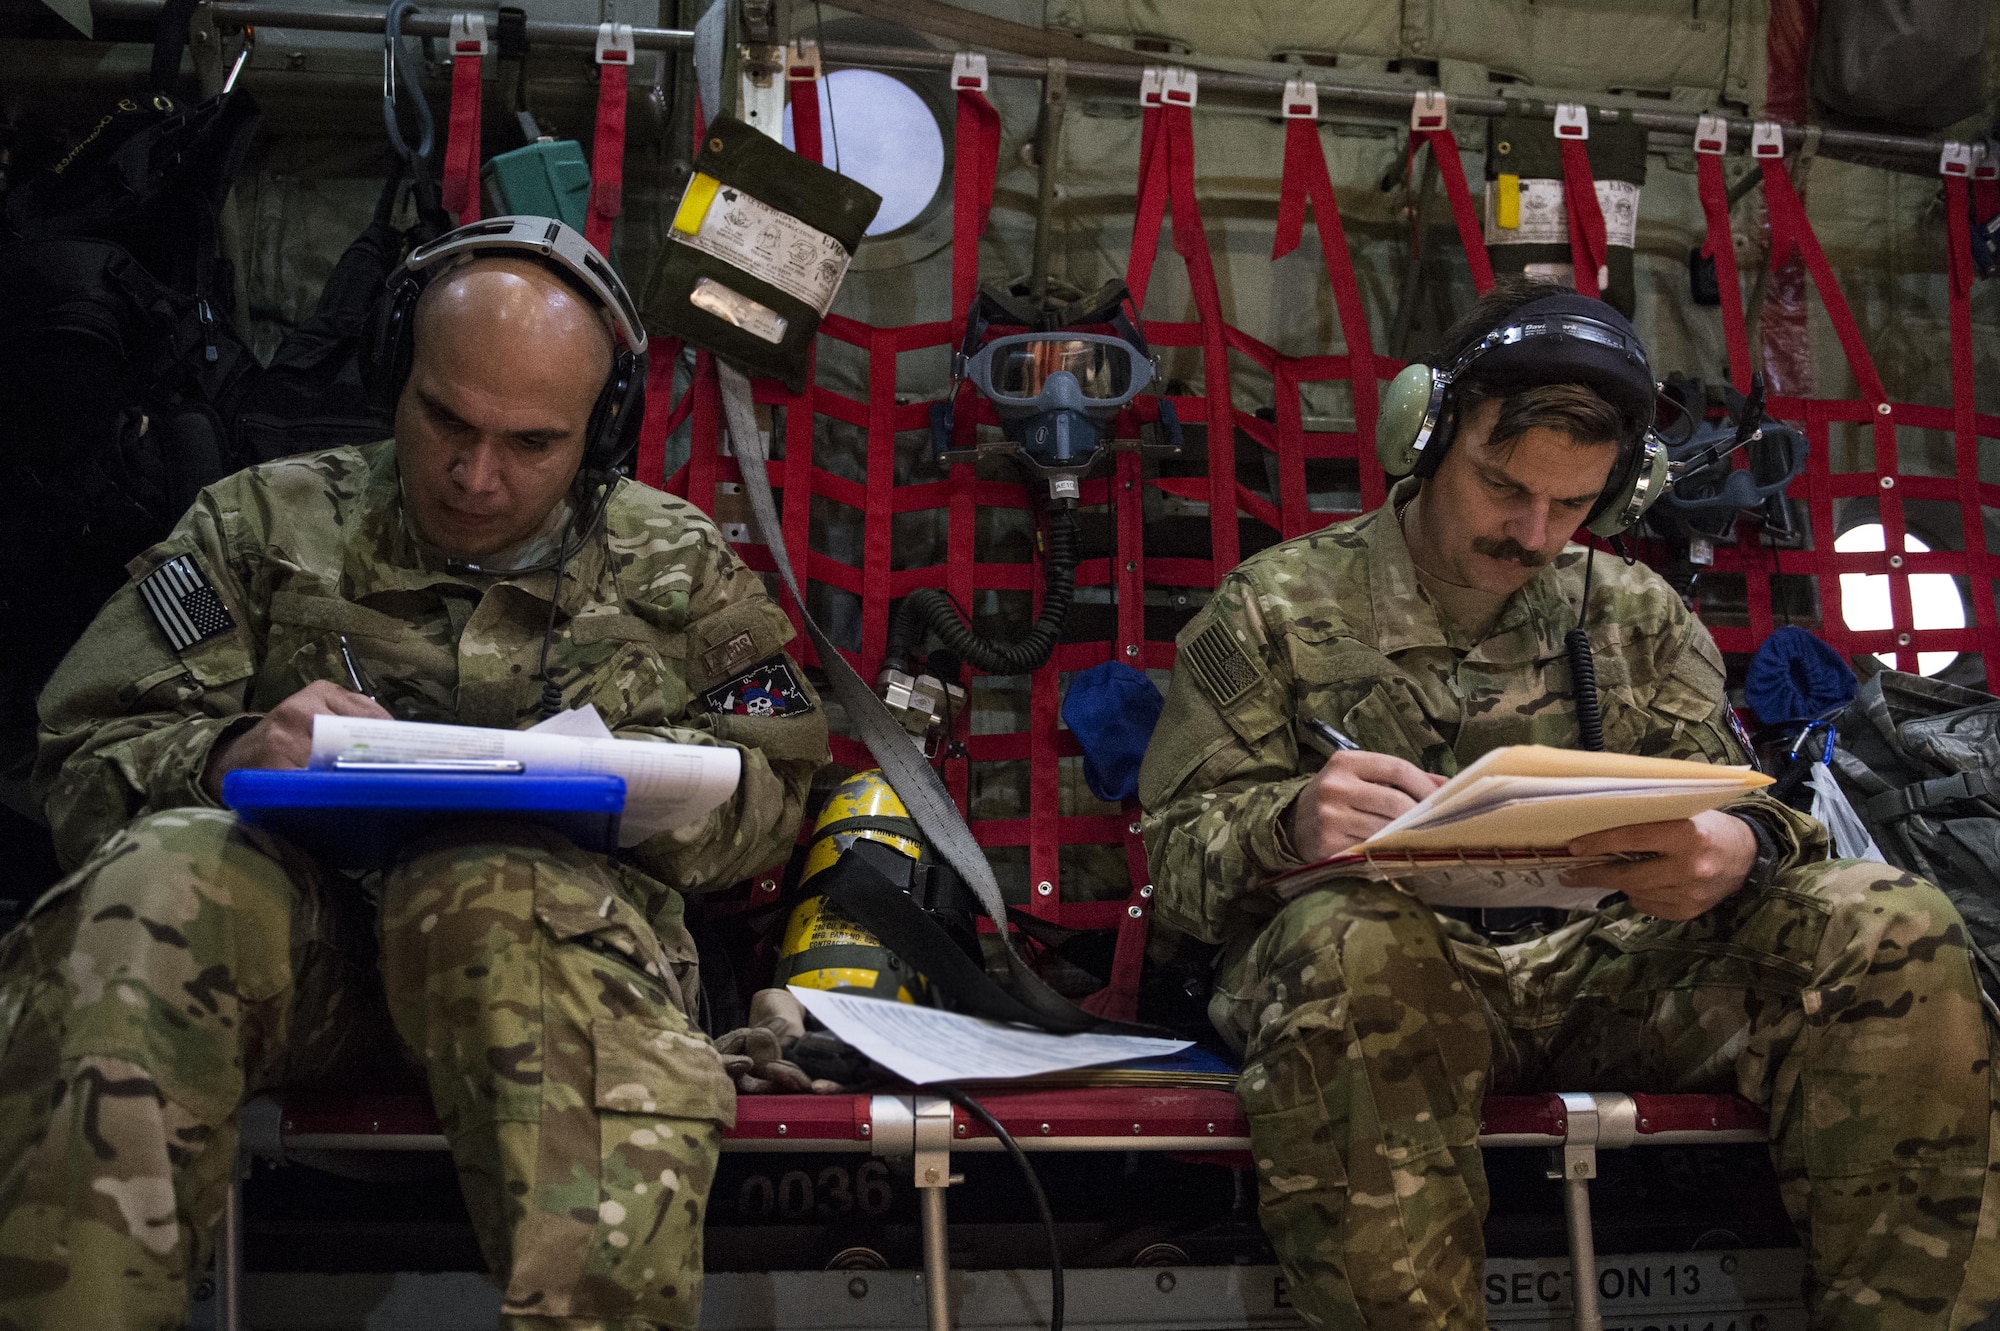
(549, 994)
(1837, 995)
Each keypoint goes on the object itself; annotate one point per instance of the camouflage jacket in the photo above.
(655, 612)
(1335, 625)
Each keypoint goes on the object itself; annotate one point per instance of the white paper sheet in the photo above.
(578, 723)
(666, 785)
(925, 1045)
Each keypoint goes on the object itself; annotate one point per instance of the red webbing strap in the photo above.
(1791, 232)
(1721, 247)
(1306, 180)
(607, 145)
(806, 141)
(976, 166)
(663, 414)
(1964, 420)
(1444, 147)
(1119, 999)
(1170, 176)
(1586, 219)
(460, 192)
(1985, 200)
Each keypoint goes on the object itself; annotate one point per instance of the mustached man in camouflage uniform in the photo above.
(548, 994)
(1837, 995)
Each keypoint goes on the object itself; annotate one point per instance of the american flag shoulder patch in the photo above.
(184, 603)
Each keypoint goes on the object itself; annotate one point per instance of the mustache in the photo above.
(1506, 547)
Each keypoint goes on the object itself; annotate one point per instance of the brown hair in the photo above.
(1572, 409)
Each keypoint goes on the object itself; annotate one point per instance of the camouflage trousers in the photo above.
(1841, 999)
(195, 961)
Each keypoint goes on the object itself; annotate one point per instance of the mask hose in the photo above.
(932, 609)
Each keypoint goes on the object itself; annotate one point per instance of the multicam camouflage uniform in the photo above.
(191, 960)
(1836, 994)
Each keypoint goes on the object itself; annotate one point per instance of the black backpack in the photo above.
(1920, 761)
(115, 395)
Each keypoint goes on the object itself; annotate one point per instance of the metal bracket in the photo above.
(1956, 160)
(1149, 85)
(1178, 86)
(1300, 100)
(614, 44)
(1592, 1121)
(468, 35)
(968, 72)
(802, 61)
(1572, 120)
(1711, 135)
(1428, 112)
(1986, 161)
(1767, 139)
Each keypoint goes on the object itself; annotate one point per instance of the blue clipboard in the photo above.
(362, 820)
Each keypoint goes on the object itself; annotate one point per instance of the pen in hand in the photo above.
(357, 677)
(1325, 738)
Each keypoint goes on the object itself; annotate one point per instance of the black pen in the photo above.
(1326, 738)
(358, 677)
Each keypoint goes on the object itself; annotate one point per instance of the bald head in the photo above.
(490, 429)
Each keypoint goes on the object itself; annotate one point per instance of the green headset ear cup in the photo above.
(1647, 483)
(1405, 404)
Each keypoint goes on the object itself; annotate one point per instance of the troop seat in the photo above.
(1199, 1124)
(1208, 1122)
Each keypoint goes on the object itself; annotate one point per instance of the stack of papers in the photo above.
(666, 785)
(1498, 833)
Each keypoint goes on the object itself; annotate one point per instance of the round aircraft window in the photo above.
(876, 129)
(1935, 601)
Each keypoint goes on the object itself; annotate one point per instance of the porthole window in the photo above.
(1935, 601)
(876, 129)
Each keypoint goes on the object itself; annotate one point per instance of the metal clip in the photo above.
(468, 35)
(1956, 160)
(1301, 100)
(1177, 86)
(1767, 139)
(802, 61)
(1986, 161)
(1572, 120)
(1149, 85)
(1427, 111)
(968, 72)
(1711, 135)
(614, 44)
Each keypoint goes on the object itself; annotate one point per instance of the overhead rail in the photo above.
(1392, 103)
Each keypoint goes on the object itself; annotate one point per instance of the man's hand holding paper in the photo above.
(1693, 863)
(1355, 796)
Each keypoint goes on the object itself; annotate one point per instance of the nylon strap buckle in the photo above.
(968, 72)
(1767, 139)
(468, 35)
(614, 44)
(1711, 135)
(1178, 86)
(1956, 160)
(1149, 86)
(1300, 100)
(802, 61)
(1427, 111)
(1985, 161)
(1572, 120)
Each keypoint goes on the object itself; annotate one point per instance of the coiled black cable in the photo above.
(1583, 669)
(932, 609)
(1013, 1148)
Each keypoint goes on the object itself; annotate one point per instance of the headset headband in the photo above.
(550, 240)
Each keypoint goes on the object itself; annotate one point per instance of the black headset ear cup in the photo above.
(390, 351)
(613, 431)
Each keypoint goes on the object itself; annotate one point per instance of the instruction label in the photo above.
(796, 257)
(1541, 217)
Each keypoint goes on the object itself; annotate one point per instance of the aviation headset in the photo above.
(1560, 339)
(612, 434)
